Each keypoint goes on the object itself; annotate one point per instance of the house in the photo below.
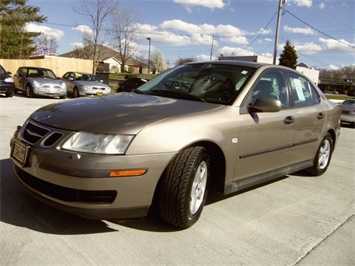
(110, 59)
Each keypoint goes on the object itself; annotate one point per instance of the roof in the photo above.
(103, 54)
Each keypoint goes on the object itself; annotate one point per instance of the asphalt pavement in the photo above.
(296, 220)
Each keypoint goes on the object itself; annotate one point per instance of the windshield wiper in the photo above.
(176, 94)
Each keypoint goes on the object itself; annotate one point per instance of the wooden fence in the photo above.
(59, 65)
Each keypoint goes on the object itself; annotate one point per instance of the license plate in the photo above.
(19, 152)
(346, 112)
(99, 93)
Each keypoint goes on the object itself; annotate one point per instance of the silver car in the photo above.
(84, 84)
(37, 81)
(238, 125)
(348, 112)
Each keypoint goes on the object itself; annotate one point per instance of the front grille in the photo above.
(99, 88)
(51, 139)
(66, 194)
(33, 133)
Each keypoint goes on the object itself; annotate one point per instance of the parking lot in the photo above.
(296, 220)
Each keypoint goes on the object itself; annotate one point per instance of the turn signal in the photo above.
(133, 172)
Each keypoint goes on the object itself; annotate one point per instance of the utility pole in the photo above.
(277, 29)
(149, 39)
(212, 48)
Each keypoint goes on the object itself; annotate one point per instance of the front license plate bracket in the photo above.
(19, 152)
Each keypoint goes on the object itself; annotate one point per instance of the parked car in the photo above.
(7, 85)
(348, 112)
(38, 81)
(131, 84)
(240, 124)
(84, 84)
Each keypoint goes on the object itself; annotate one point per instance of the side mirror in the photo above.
(265, 105)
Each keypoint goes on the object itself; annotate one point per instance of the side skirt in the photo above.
(265, 177)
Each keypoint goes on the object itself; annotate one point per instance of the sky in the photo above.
(322, 31)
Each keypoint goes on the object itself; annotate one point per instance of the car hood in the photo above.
(47, 80)
(122, 113)
(91, 84)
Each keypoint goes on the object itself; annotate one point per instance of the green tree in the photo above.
(289, 56)
(15, 40)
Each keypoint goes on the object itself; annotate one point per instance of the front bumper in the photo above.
(50, 91)
(80, 183)
(7, 88)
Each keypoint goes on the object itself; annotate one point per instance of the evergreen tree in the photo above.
(15, 41)
(289, 56)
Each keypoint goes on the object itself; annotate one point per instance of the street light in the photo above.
(149, 55)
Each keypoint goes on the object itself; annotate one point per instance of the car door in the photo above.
(20, 78)
(69, 79)
(265, 137)
(309, 117)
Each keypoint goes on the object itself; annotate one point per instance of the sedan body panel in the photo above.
(84, 84)
(238, 124)
(348, 112)
(35, 81)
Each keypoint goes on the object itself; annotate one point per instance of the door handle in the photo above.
(320, 116)
(289, 120)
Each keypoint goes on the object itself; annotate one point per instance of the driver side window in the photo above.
(271, 85)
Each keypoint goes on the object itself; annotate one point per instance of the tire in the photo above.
(76, 93)
(184, 187)
(10, 94)
(323, 157)
(29, 91)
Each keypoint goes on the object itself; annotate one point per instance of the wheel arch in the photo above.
(218, 167)
(333, 136)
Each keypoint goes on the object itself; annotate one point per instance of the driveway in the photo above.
(296, 220)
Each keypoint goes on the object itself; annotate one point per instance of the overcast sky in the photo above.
(322, 31)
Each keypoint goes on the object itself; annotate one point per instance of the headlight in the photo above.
(36, 84)
(9, 79)
(98, 143)
(63, 85)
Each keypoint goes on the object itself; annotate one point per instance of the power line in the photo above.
(321, 32)
(260, 32)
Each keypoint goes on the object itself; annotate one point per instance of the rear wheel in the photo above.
(184, 187)
(323, 156)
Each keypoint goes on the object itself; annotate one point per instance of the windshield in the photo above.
(208, 82)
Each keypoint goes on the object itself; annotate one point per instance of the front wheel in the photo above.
(29, 92)
(323, 156)
(184, 186)
(76, 93)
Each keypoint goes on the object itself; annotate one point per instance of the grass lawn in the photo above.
(339, 97)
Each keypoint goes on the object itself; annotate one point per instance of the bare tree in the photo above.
(122, 32)
(348, 72)
(45, 45)
(97, 12)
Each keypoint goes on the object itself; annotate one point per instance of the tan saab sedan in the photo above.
(231, 126)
